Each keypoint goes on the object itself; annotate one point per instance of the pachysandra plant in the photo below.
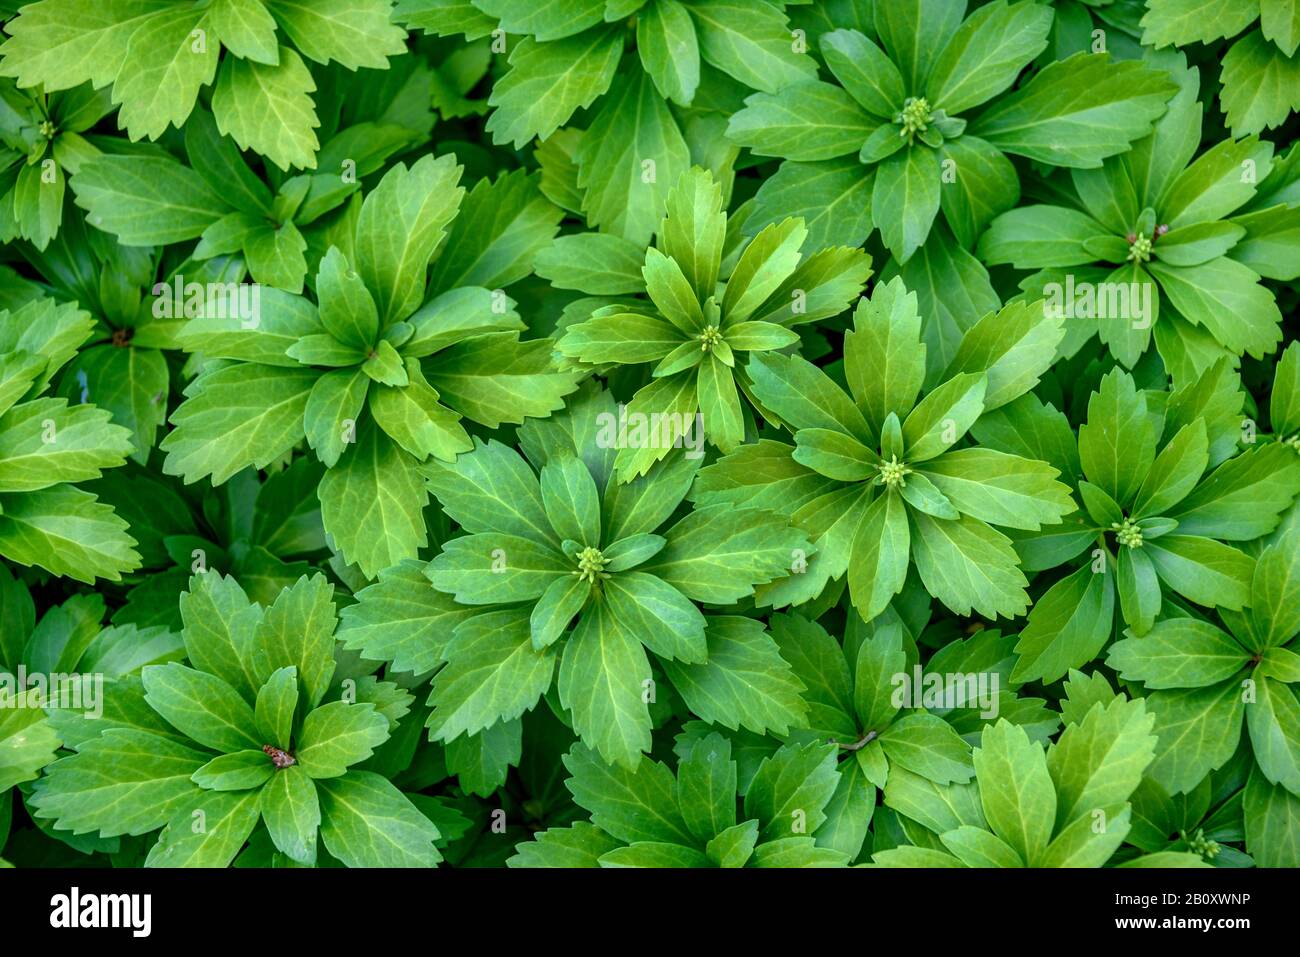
(1185, 242)
(375, 378)
(876, 477)
(1205, 821)
(698, 335)
(1204, 680)
(246, 736)
(1156, 522)
(908, 106)
(157, 58)
(1063, 807)
(557, 537)
(875, 724)
(650, 818)
(43, 146)
(70, 666)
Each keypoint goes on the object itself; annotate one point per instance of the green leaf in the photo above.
(571, 500)
(1178, 653)
(333, 407)
(1077, 111)
(833, 198)
(1080, 845)
(661, 617)
(865, 71)
(884, 358)
(1198, 730)
(734, 846)
(915, 50)
(669, 50)
(1226, 298)
(1016, 789)
(1259, 84)
(905, 199)
(1271, 817)
(706, 788)
(791, 789)
(291, 810)
(355, 34)
(880, 556)
(504, 224)
(966, 564)
(228, 819)
(146, 200)
(401, 223)
(44, 442)
(277, 702)
(235, 417)
(766, 262)
(1273, 721)
(744, 682)
(401, 620)
(717, 554)
(493, 673)
(580, 845)
(67, 532)
(630, 805)
(1068, 626)
(943, 416)
(999, 488)
(297, 629)
(268, 108)
(927, 745)
(1099, 762)
(548, 82)
(751, 44)
(986, 54)
(482, 761)
(200, 705)
(371, 502)
(246, 28)
(622, 195)
(1117, 444)
(600, 264)
(125, 781)
(604, 681)
(366, 822)
(338, 735)
(654, 855)
(1243, 497)
(27, 742)
(976, 847)
(808, 121)
(1206, 571)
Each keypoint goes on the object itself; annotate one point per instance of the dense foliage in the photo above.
(644, 433)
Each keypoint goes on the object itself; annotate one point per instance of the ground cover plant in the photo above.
(649, 433)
